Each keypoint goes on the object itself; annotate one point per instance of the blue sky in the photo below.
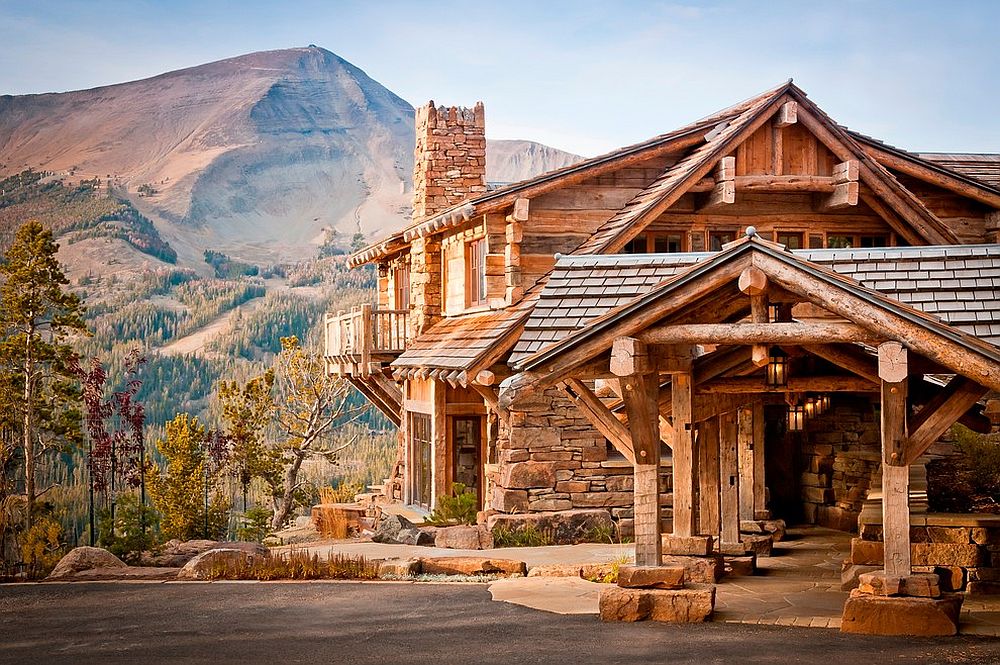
(583, 76)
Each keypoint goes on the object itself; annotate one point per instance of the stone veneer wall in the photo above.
(450, 157)
(841, 457)
(551, 458)
(425, 285)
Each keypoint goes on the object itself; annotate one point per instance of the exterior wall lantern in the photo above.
(796, 418)
(812, 407)
(824, 403)
(777, 368)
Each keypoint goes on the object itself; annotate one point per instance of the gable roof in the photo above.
(958, 283)
(706, 136)
(887, 316)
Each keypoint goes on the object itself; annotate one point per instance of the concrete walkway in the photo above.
(532, 556)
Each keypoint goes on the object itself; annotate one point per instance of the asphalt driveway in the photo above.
(386, 623)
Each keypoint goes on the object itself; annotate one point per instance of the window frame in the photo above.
(475, 272)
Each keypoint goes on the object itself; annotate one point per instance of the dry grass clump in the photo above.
(299, 565)
(333, 522)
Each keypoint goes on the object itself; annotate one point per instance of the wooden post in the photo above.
(708, 478)
(892, 370)
(640, 391)
(441, 471)
(729, 478)
(685, 463)
(760, 510)
(365, 338)
(745, 462)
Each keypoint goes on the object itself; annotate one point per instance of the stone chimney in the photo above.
(449, 162)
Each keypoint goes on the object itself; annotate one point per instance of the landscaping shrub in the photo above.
(527, 535)
(136, 528)
(461, 507)
(970, 480)
(300, 565)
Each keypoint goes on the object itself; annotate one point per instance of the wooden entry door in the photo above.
(420, 454)
(467, 444)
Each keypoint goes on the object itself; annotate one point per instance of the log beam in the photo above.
(846, 187)
(729, 477)
(724, 191)
(855, 362)
(941, 413)
(709, 507)
(757, 333)
(684, 460)
(603, 420)
(795, 384)
(895, 472)
(787, 115)
(639, 392)
(745, 461)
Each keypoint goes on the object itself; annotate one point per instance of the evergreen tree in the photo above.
(246, 411)
(38, 318)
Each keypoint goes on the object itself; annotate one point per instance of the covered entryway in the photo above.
(698, 357)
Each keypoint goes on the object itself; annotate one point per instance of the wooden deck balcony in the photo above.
(366, 335)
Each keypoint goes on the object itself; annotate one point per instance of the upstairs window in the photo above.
(659, 243)
(716, 239)
(790, 240)
(475, 273)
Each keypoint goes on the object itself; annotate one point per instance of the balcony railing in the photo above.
(366, 334)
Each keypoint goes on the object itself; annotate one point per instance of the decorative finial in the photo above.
(558, 256)
(751, 231)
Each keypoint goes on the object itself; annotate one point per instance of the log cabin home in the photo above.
(633, 332)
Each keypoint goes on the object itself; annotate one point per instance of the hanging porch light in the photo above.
(777, 368)
(796, 418)
(812, 407)
(824, 403)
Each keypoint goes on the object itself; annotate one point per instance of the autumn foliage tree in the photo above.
(309, 404)
(187, 490)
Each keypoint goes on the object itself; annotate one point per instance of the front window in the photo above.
(475, 276)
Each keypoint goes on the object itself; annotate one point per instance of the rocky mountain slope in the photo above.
(256, 156)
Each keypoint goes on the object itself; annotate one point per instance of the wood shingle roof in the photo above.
(958, 284)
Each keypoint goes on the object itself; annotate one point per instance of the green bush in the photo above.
(526, 535)
(256, 525)
(461, 507)
(136, 529)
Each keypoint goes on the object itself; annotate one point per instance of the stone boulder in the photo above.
(397, 530)
(693, 604)
(464, 537)
(216, 562)
(566, 527)
(901, 615)
(84, 558)
(175, 553)
(472, 566)
(391, 568)
(556, 570)
(651, 577)
(698, 569)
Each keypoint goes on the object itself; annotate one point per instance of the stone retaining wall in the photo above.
(963, 549)
(551, 458)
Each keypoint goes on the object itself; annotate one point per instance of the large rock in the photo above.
(902, 615)
(921, 554)
(397, 530)
(217, 563)
(391, 568)
(686, 545)
(84, 558)
(688, 605)
(471, 566)
(651, 577)
(529, 475)
(556, 570)
(565, 528)
(464, 538)
(175, 553)
(697, 569)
